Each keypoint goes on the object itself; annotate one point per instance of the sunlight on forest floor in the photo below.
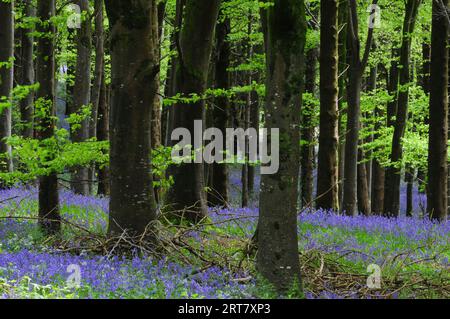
(335, 252)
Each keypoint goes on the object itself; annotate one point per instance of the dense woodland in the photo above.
(91, 91)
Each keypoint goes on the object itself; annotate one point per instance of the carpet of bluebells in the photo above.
(31, 269)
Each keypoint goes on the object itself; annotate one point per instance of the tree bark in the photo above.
(28, 74)
(219, 196)
(307, 127)
(343, 67)
(393, 173)
(170, 90)
(49, 212)
(98, 77)
(409, 180)
(81, 95)
(355, 73)
(6, 80)
(285, 37)
(327, 173)
(377, 193)
(135, 70)
(363, 188)
(103, 135)
(437, 150)
(187, 196)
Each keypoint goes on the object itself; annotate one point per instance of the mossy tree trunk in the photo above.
(285, 37)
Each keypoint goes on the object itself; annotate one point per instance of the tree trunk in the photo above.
(425, 83)
(307, 126)
(218, 196)
(409, 180)
(351, 141)
(81, 96)
(285, 37)
(6, 80)
(28, 75)
(377, 193)
(363, 188)
(170, 90)
(135, 70)
(393, 173)
(49, 212)
(437, 150)
(254, 122)
(342, 71)
(103, 135)
(355, 72)
(187, 196)
(98, 77)
(327, 173)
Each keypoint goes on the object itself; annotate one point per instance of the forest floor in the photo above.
(216, 259)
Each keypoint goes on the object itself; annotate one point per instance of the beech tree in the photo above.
(393, 172)
(357, 66)
(285, 37)
(218, 195)
(327, 173)
(82, 93)
(437, 149)
(134, 71)
(28, 73)
(49, 211)
(6, 80)
(187, 196)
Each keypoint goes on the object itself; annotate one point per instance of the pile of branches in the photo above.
(326, 277)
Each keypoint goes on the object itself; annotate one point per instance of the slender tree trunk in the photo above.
(327, 173)
(156, 134)
(285, 37)
(135, 70)
(343, 65)
(187, 196)
(377, 193)
(28, 75)
(307, 127)
(218, 196)
(170, 90)
(363, 188)
(81, 96)
(254, 123)
(425, 83)
(103, 135)
(355, 72)
(49, 212)
(247, 113)
(409, 180)
(351, 141)
(437, 150)
(6, 80)
(393, 173)
(365, 162)
(98, 77)
(371, 87)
